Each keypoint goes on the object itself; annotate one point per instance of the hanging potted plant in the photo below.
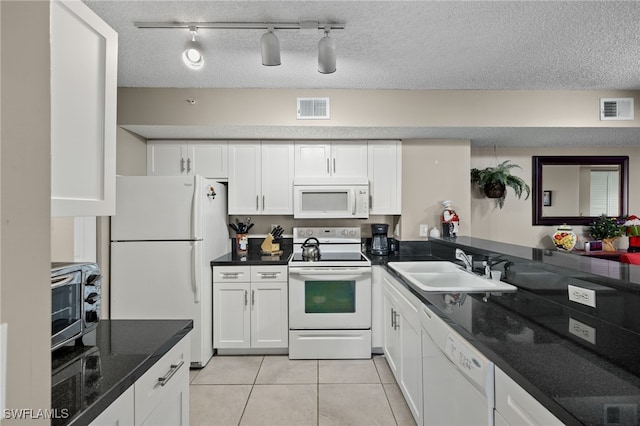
(606, 229)
(495, 180)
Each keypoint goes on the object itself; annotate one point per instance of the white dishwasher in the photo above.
(458, 381)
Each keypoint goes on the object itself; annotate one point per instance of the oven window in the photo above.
(65, 307)
(329, 297)
(334, 201)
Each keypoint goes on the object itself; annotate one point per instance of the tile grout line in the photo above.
(246, 403)
(386, 395)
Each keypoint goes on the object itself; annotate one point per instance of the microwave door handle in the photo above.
(353, 202)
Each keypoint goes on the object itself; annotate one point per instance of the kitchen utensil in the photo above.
(234, 227)
(249, 227)
(311, 249)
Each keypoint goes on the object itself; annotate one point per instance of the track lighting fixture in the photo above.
(192, 56)
(270, 45)
(326, 53)
(270, 48)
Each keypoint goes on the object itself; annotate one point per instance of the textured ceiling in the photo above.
(546, 45)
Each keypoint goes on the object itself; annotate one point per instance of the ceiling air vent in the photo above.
(616, 109)
(313, 109)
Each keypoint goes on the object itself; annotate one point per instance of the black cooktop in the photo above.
(333, 257)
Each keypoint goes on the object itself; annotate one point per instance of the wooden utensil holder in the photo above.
(269, 247)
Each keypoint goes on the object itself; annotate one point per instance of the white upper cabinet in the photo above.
(261, 178)
(385, 177)
(335, 158)
(84, 54)
(184, 158)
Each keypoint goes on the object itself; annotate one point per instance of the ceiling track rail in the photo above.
(303, 25)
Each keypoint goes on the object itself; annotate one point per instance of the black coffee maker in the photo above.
(379, 241)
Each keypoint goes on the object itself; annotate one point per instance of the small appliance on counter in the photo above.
(379, 240)
(75, 301)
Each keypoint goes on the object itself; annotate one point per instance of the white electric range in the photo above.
(330, 298)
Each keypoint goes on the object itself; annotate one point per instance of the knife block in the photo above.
(269, 247)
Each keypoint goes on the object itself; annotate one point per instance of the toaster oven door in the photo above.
(66, 308)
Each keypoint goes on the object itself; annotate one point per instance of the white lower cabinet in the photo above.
(250, 305)
(515, 406)
(402, 342)
(159, 397)
(119, 412)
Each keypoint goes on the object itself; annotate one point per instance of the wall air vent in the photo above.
(313, 109)
(616, 109)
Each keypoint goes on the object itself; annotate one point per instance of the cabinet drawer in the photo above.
(228, 274)
(269, 273)
(172, 370)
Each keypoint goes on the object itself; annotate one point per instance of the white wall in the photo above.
(25, 194)
(513, 223)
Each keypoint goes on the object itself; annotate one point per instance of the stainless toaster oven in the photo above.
(75, 301)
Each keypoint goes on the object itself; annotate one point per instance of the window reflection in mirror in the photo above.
(597, 190)
(576, 190)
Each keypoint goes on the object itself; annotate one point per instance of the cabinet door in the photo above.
(390, 340)
(83, 111)
(411, 364)
(119, 412)
(277, 178)
(269, 313)
(517, 407)
(385, 177)
(348, 159)
(166, 158)
(208, 159)
(313, 159)
(244, 178)
(161, 395)
(231, 322)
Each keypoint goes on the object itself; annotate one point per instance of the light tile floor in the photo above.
(276, 391)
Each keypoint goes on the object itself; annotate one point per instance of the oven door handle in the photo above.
(322, 275)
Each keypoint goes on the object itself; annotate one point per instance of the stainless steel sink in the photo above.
(447, 277)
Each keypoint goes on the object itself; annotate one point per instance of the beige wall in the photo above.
(368, 108)
(512, 224)
(62, 239)
(433, 171)
(25, 203)
(131, 153)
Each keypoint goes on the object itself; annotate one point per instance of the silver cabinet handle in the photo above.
(174, 368)
(188, 165)
(263, 202)
(393, 319)
(334, 164)
(397, 323)
(268, 275)
(328, 170)
(246, 301)
(257, 201)
(182, 165)
(228, 275)
(253, 297)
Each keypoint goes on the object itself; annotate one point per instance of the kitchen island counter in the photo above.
(86, 380)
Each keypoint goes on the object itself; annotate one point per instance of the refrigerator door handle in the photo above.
(196, 224)
(195, 271)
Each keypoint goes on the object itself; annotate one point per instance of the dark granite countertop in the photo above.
(86, 380)
(575, 360)
(253, 255)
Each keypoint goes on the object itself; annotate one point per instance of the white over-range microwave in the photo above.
(331, 198)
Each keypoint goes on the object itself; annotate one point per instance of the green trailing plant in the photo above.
(495, 180)
(605, 227)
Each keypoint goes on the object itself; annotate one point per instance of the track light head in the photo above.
(270, 48)
(192, 56)
(326, 53)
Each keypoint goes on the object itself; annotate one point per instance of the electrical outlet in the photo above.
(424, 230)
(582, 295)
(583, 331)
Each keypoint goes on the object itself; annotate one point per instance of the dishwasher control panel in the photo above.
(467, 359)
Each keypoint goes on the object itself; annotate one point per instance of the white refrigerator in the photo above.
(165, 233)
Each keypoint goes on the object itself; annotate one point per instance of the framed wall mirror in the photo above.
(576, 190)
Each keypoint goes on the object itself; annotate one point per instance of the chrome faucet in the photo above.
(465, 258)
